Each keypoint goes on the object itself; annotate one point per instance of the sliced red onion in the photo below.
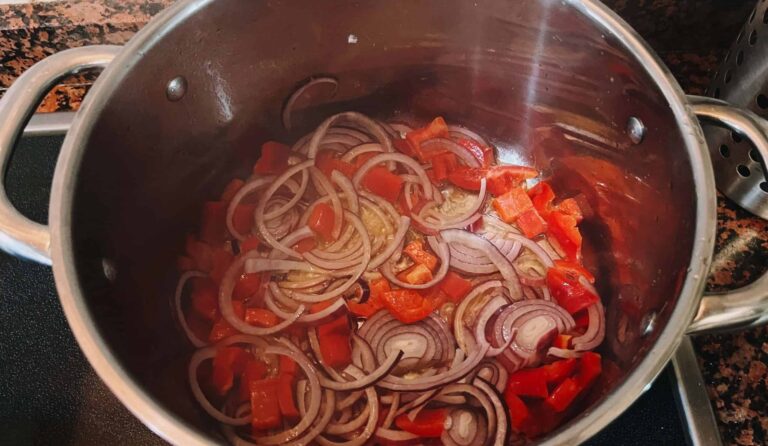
(426, 383)
(197, 342)
(485, 402)
(197, 358)
(396, 242)
(393, 411)
(354, 118)
(454, 148)
(360, 149)
(563, 353)
(326, 187)
(595, 331)
(459, 329)
(395, 435)
(464, 428)
(468, 134)
(349, 190)
(473, 241)
(288, 108)
(361, 137)
(401, 128)
(462, 220)
(247, 189)
(363, 380)
(396, 157)
(312, 318)
(501, 413)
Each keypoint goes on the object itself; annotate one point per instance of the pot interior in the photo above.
(543, 82)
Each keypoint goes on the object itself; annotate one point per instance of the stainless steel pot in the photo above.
(565, 86)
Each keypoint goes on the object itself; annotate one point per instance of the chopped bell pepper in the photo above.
(327, 162)
(376, 288)
(467, 177)
(559, 370)
(590, 368)
(321, 221)
(242, 218)
(528, 382)
(334, 337)
(518, 411)
(222, 258)
(273, 159)
(569, 206)
(383, 183)
(417, 274)
(511, 204)
(563, 231)
(575, 269)
(568, 291)
(221, 328)
(531, 223)
(562, 341)
(564, 394)
(305, 245)
(213, 224)
(261, 317)
(455, 287)
(249, 244)
(435, 129)
(475, 149)
(254, 370)
(416, 251)
(542, 197)
(502, 179)
(232, 188)
(265, 404)
(288, 366)
(408, 306)
(247, 285)
(205, 298)
(404, 147)
(429, 423)
(443, 164)
(285, 397)
(228, 362)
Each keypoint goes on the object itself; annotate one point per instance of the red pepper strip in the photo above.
(285, 397)
(408, 306)
(443, 164)
(288, 366)
(383, 183)
(502, 179)
(254, 370)
(435, 129)
(490, 157)
(590, 368)
(327, 162)
(562, 230)
(249, 244)
(528, 382)
(559, 370)
(510, 205)
(581, 318)
(227, 362)
(321, 221)
(475, 149)
(305, 245)
(261, 317)
(377, 288)
(265, 405)
(231, 190)
(542, 419)
(221, 328)
(564, 394)
(575, 269)
(273, 160)
(404, 147)
(221, 261)
(518, 411)
(568, 291)
(205, 298)
(562, 341)
(542, 197)
(531, 223)
(429, 423)
(415, 250)
(455, 287)
(333, 338)
(213, 224)
(417, 274)
(467, 177)
(247, 286)
(569, 206)
(243, 218)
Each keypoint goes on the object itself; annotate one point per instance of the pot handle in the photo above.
(19, 235)
(747, 306)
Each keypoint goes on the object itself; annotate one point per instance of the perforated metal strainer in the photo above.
(742, 80)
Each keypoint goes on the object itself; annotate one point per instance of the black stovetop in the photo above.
(49, 394)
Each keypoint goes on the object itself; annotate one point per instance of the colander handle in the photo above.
(747, 306)
(19, 235)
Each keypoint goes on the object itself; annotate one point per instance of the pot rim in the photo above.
(174, 430)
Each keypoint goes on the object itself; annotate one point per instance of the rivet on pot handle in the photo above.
(19, 235)
(747, 306)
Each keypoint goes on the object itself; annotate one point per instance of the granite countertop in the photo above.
(691, 36)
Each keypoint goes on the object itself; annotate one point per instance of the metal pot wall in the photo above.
(565, 86)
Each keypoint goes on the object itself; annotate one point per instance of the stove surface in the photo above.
(50, 395)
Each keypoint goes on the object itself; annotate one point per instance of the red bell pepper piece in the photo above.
(531, 223)
(467, 177)
(327, 162)
(528, 382)
(288, 366)
(575, 269)
(443, 164)
(429, 423)
(435, 129)
(334, 337)
(221, 328)
(590, 368)
(248, 285)
(383, 183)
(562, 341)
(455, 287)
(205, 298)
(273, 159)
(213, 224)
(568, 291)
(518, 411)
(261, 317)
(265, 404)
(559, 370)
(408, 306)
(564, 394)
(305, 245)
(510, 205)
(417, 274)
(375, 302)
(563, 231)
(569, 206)
(221, 261)
(542, 197)
(475, 149)
(502, 179)
(228, 362)
(232, 188)
(249, 244)
(415, 250)
(581, 318)
(285, 397)
(321, 221)
(254, 370)
(242, 218)
(404, 147)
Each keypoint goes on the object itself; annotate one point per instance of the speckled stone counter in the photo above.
(690, 35)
